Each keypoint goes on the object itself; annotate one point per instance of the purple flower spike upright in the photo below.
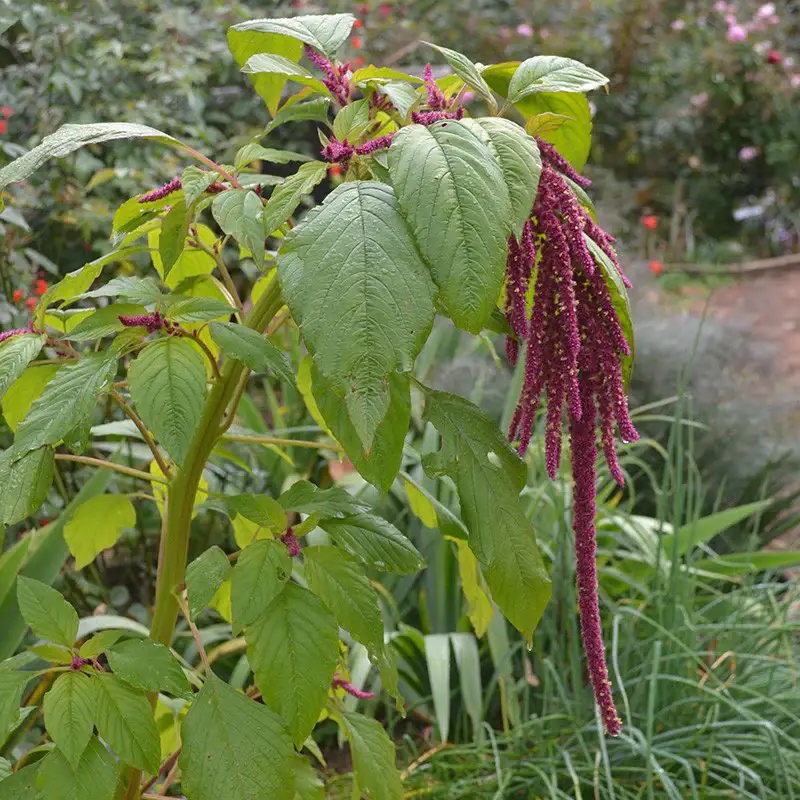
(436, 99)
(292, 545)
(429, 117)
(574, 347)
(157, 194)
(334, 80)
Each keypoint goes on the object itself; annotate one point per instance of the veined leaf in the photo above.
(66, 402)
(259, 508)
(307, 498)
(467, 71)
(453, 194)
(376, 542)
(373, 757)
(315, 110)
(234, 748)
(124, 720)
(15, 355)
(292, 649)
(352, 121)
(172, 238)
(204, 576)
(104, 322)
(239, 212)
(25, 483)
(192, 261)
(94, 777)
(402, 96)
(285, 198)
(96, 525)
(256, 152)
(99, 643)
(11, 687)
(47, 613)
(552, 74)
(258, 578)
(196, 309)
(168, 386)
(261, 63)
(357, 248)
(144, 291)
(489, 477)
(325, 32)
(381, 75)
(146, 665)
(194, 181)
(69, 714)
(479, 606)
(252, 349)
(338, 578)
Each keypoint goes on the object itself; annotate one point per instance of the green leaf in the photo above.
(264, 63)
(373, 757)
(124, 720)
(339, 580)
(194, 181)
(292, 649)
(68, 714)
(143, 291)
(437, 659)
(256, 152)
(168, 386)
(259, 508)
(96, 525)
(252, 349)
(239, 213)
(307, 498)
(703, 530)
(285, 198)
(352, 267)
(196, 309)
(489, 477)
(174, 229)
(12, 685)
(234, 748)
(467, 71)
(402, 96)
(453, 194)
(204, 576)
(619, 298)
(54, 653)
(258, 578)
(381, 75)
(69, 138)
(25, 483)
(20, 396)
(22, 784)
(519, 159)
(315, 110)
(736, 564)
(5, 769)
(15, 355)
(47, 613)
(381, 464)
(307, 783)
(144, 664)
(104, 322)
(469, 671)
(191, 262)
(93, 778)
(325, 32)
(552, 74)
(66, 402)
(376, 542)
(352, 121)
(479, 606)
(99, 643)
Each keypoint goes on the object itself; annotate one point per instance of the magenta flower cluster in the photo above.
(173, 186)
(13, 332)
(291, 542)
(574, 347)
(336, 152)
(335, 80)
(153, 322)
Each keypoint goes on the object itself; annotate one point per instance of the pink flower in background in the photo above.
(678, 25)
(773, 20)
(767, 10)
(720, 7)
(544, 33)
(730, 19)
(795, 80)
(748, 153)
(525, 30)
(467, 98)
(736, 33)
(699, 100)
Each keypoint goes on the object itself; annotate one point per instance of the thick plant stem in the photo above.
(181, 494)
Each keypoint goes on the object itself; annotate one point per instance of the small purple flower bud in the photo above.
(162, 191)
(292, 545)
(78, 663)
(350, 689)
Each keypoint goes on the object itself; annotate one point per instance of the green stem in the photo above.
(182, 489)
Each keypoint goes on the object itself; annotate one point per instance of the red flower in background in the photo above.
(30, 303)
(3, 126)
(41, 287)
(335, 170)
(385, 9)
(358, 61)
(363, 9)
(656, 267)
(358, 42)
(17, 296)
(358, 24)
(774, 57)
(650, 222)
(6, 111)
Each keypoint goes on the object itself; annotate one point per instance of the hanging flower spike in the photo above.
(379, 143)
(14, 332)
(550, 154)
(575, 346)
(335, 81)
(153, 322)
(292, 545)
(340, 683)
(436, 98)
(157, 194)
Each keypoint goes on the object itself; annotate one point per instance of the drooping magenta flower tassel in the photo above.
(168, 188)
(335, 81)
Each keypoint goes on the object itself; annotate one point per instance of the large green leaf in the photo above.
(452, 192)
(265, 63)
(373, 757)
(239, 212)
(195, 309)
(519, 159)
(552, 74)
(376, 542)
(333, 502)
(96, 526)
(194, 181)
(149, 666)
(204, 576)
(338, 578)
(129, 287)
(285, 198)
(265, 511)
(737, 564)
(69, 138)
(173, 233)
(253, 151)
(381, 464)
(467, 71)
(21, 785)
(11, 686)
(124, 720)
(325, 32)
(234, 748)
(168, 386)
(49, 615)
(252, 349)
(66, 403)
(315, 110)
(489, 477)
(15, 355)
(293, 648)
(25, 483)
(258, 578)
(69, 714)
(352, 267)
(94, 777)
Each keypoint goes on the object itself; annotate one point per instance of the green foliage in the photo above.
(69, 714)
